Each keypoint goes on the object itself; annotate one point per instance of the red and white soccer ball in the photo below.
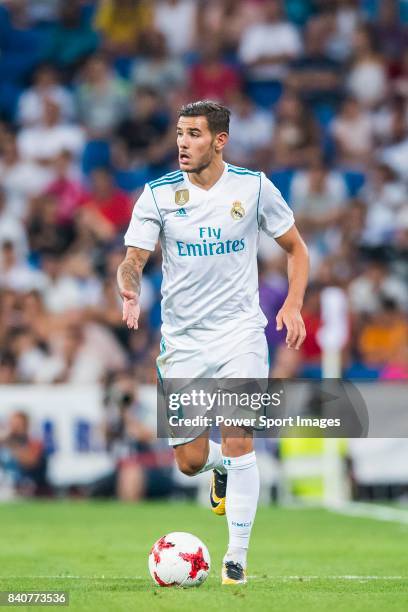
(179, 559)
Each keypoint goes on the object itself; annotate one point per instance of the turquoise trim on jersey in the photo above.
(166, 180)
(240, 173)
(239, 170)
(159, 375)
(162, 351)
(259, 196)
(158, 209)
(169, 175)
(178, 180)
(162, 346)
(163, 179)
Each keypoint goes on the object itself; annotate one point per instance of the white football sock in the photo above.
(214, 459)
(241, 503)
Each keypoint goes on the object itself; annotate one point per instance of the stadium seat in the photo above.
(264, 93)
(123, 66)
(130, 180)
(358, 371)
(282, 179)
(354, 181)
(9, 95)
(96, 155)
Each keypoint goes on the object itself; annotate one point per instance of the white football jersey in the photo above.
(209, 240)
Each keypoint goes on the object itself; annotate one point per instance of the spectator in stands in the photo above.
(11, 227)
(35, 363)
(314, 76)
(143, 463)
(395, 151)
(212, 78)
(121, 23)
(34, 315)
(15, 273)
(399, 74)
(389, 33)
(401, 241)
(251, 133)
(66, 188)
(367, 78)
(295, 139)
(9, 315)
(22, 179)
(80, 266)
(311, 351)
(224, 22)
(177, 20)
(376, 282)
(340, 20)
(105, 210)
(268, 46)
(72, 39)
(45, 86)
(87, 350)
(318, 197)
(316, 192)
(8, 375)
(385, 196)
(45, 232)
(43, 11)
(23, 456)
(62, 292)
(156, 68)
(142, 131)
(352, 130)
(102, 98)
(44, 142)
(384, 336)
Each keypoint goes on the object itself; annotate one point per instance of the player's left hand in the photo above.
(292, 319)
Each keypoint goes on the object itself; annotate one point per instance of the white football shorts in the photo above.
(202, 355)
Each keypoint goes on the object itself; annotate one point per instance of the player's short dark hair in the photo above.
(218, 116)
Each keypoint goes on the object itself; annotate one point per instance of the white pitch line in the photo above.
(372, 511)
(272, 578)
(73, 577)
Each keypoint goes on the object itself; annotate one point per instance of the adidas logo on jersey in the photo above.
(181, 213)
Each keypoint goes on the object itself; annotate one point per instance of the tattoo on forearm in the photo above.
(129, 277)
(130, 270)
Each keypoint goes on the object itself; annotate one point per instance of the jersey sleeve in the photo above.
(145, 224)
(275, 217)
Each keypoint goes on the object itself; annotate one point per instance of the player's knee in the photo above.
(189, 465)
(236, 447)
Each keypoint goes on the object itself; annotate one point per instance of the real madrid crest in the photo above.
(237, 210)
(182, 196)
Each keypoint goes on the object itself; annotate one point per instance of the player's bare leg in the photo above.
(202, 455)
(241, 500)
(192, 456)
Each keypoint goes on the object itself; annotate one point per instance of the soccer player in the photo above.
(207, 216)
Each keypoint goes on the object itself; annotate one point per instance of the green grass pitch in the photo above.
(300, 559)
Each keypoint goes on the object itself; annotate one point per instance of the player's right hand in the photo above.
(131, 308)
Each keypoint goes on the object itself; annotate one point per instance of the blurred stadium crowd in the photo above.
(89, 93)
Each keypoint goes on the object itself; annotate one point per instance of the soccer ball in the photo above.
(179, 559)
